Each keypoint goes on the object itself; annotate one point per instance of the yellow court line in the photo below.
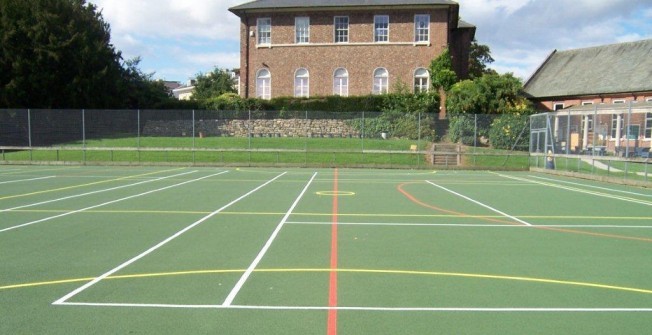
(40, 170)
(356, 271)
(84, 185)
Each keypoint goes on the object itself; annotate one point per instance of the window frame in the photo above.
(260, 33)
(265, 94)
(302, 32)
(648, 126)
(377, 36)
(418, 31)
(338, 84)
(344, 31)
(302, 83)
(383, 84)
(614, 126)
(418, 88)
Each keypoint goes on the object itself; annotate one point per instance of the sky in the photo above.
(176, 40)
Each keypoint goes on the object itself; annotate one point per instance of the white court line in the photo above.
(106, 203)
(592, 186)
(32, 179)
(162, 243)
(466, 225)
(377, 309)
(481, 204)
(579, 190)
(95, 192)
(234, 292)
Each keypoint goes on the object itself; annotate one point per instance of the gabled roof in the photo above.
(341, 4)
(615, 68)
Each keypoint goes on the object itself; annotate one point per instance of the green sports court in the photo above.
(185, 250)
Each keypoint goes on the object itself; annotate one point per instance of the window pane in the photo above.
(302, 29)
(421, 80)
(341, 83)
(381, 81)
(422, 28)
(264, 31)
(341, 29)
(301, 83)
(263, 85)
(381, 28)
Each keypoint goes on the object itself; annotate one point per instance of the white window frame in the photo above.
(380, 81)
(558, 106)
(618, 101)
(302, 83)
(648, 126)
(344, 36)
(264, 91)
(648, 99)
(302, 30)
(419, 85)
(381, 34)
(587, 103)
(341, 82)
(614, 126)
(419, 35)
(590, 118)
(264, 31)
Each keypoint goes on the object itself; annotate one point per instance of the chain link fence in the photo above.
(607, 141)
(277, 138)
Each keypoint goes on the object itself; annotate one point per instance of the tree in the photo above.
(57, 54)
(442, 75)
(479, 60)
(141, 90)
(442, 78)
(489, 94)
(213, 84)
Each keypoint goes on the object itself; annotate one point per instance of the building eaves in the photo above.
(608, 69)
(341, 4)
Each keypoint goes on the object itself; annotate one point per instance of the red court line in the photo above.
(332, 293)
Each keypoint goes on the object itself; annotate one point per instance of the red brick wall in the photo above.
(548, 104)
(285, 57)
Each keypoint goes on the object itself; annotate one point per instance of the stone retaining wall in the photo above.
(259, 128)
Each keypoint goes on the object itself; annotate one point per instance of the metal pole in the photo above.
(418, 143)
(475, 137)
(193, 136)
(249, 134)
(84, 135)
(29, 127)
(138, 136)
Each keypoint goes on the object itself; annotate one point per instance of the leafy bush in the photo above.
(462, 129)
(510, 131)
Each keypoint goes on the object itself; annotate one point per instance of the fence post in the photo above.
(29, 133)
(193, 136)
(83, 115)
(138, 137)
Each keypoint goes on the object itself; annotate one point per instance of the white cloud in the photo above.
(175, 37)
(172, 18)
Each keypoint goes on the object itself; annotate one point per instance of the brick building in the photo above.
(608, 74)
(313, 48)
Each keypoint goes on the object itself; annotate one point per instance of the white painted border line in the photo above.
(462, 225)
(377, 309)
(236, 289)
(592, 186)
(95, 192)
(107, 203)
(579, 190)
(481, 204)
(21, 180)
(162, 243)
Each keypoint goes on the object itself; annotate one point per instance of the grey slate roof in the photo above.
(615, 68)
(271, 4)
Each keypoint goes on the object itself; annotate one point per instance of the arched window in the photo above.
(421, 80)
(341, 82)
(264, 84)
(381, 81)
(301, 83)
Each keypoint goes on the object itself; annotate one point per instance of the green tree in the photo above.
(213, 84)
(57, 54)
(442, 75)
(479, 60)
(141, 90)
(489, 94)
